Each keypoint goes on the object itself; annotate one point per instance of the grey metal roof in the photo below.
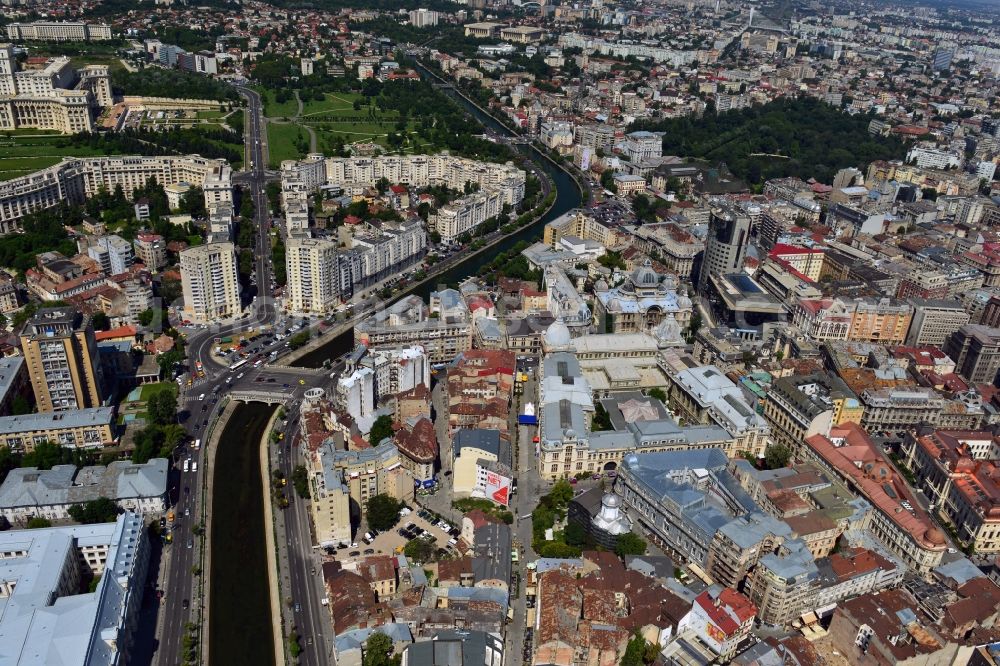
(76, 418)
(456, 648)
(9, 367)
(29, 486)
(492, 553)
(477, 438)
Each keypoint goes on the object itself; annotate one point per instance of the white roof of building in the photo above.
(39, 628)
(29, 486)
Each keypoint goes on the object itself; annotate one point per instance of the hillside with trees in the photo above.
(787, 137)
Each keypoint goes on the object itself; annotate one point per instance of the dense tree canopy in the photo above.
(382, 512)
(159, 82)
(100, 510)
(814, 138)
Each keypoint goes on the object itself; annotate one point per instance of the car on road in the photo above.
(201, 397)
(185, 604)
(190, 543)
(298, 608)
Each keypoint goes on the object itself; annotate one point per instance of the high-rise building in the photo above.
(935, 319)
(941, 59)
(61, 352)
(210, 283)
(728, 234)
(976, 352)
(315, 285)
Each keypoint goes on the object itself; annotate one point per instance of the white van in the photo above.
(196, 445)
(187, 464)
(194, 466)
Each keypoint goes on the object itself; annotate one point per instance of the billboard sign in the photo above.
(497, 488)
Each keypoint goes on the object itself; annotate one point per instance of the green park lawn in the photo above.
(273, 109)
(149, 390)
(281, 143)
(22, 153)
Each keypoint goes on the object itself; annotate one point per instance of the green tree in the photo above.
(162, 407)
(298, 340)
(8, 461)
(419, 550)
(378, 651)
(101, 321)
(168, 360)
(777, 456)
(602, 420)
(382, 511)
(37, 523)
(100, 510)
(94, 582)
(657, 393)
(637, 652)
(630, 544)
(561, 493)
(45, 455)
(300, 479)
(381, 429)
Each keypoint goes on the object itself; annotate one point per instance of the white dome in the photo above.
(611, 500)
(683, 302)
(557, 335)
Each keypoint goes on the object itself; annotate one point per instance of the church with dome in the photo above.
(601, 514)
(641, 302)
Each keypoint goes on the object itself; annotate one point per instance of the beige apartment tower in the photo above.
(311, 263)
(210, 282)
(61, 352)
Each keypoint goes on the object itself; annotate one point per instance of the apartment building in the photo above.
(579, 224)
(807, 261)
(705, 395)
(28, 492)
(957, 470)
(312, 263)
(44, 612)
(934, 320)
(721, 619)
(499, 184)
(976, 351)
(330, 505)
(210, 282)
(73, 180)
(883, 320)
(783, 584)
(900, 408)
(364, 473)
(113, 253)
(799, 406)
(641, 146)
(849, 454)
(84, 428)
(58, 31)
(60, 351)
(407, 323)
(151, 250)
(675, 246)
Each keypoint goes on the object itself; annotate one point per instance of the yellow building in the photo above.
(331, 509)
(61, 353)
(81, 428)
